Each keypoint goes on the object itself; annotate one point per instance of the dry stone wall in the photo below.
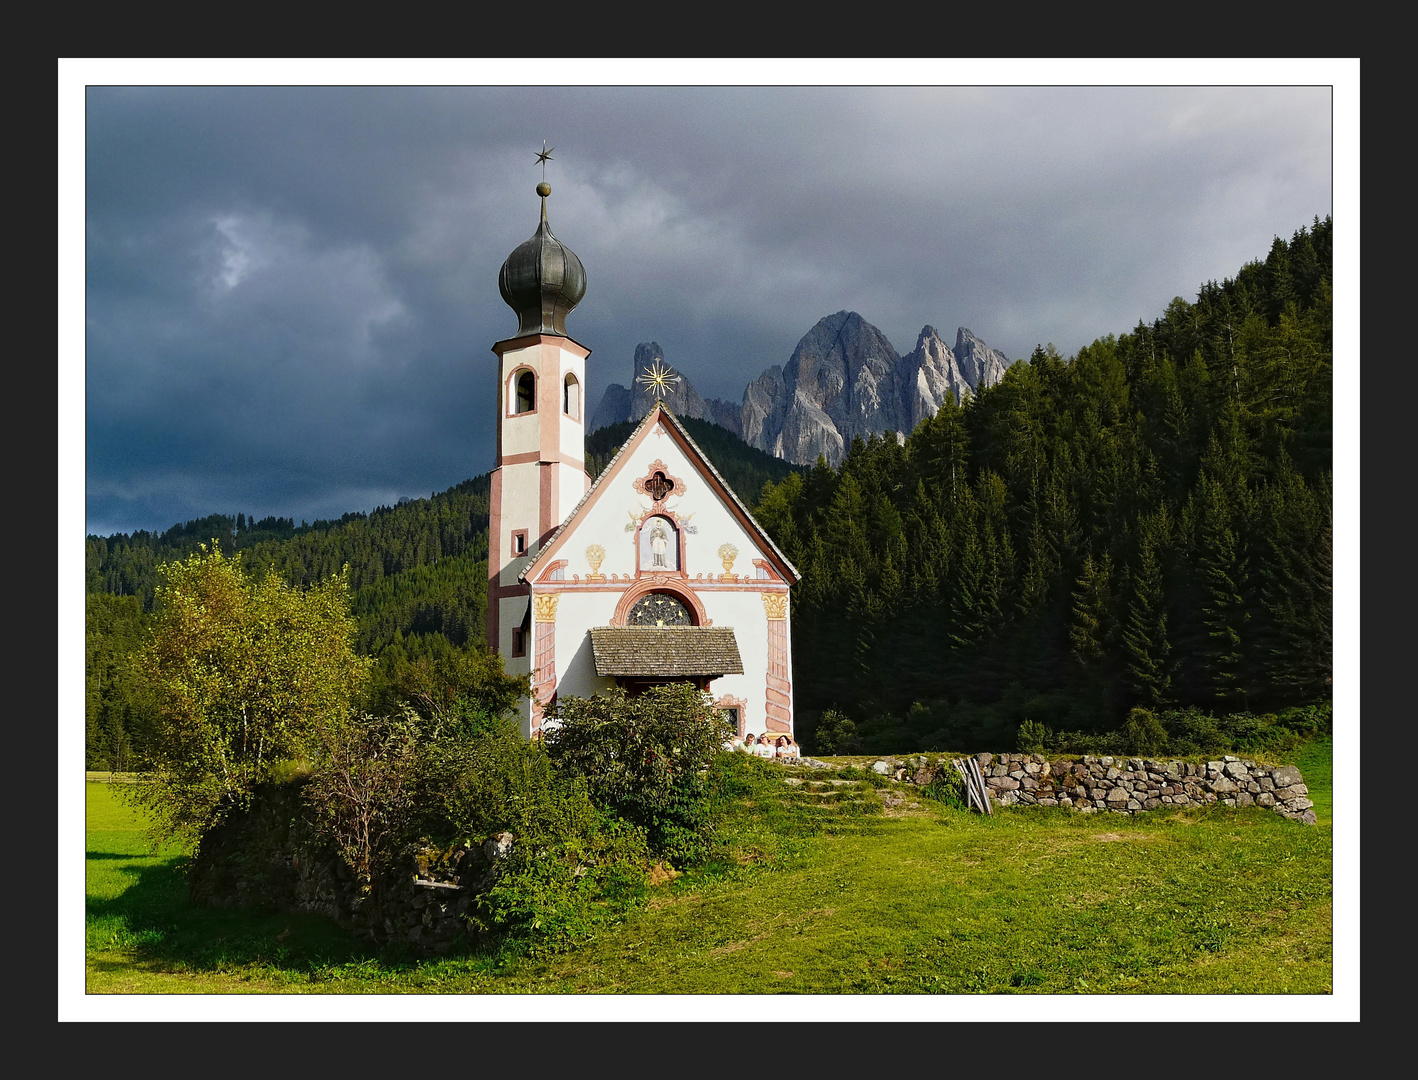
(1093, 785)
(272, 858)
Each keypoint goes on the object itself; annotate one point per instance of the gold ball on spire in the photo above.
(543, 189)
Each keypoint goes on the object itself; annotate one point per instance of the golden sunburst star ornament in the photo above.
(658, 379)
(543, 156)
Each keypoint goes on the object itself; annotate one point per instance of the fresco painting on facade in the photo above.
(595, 555)
(660, 600)
(727, 554)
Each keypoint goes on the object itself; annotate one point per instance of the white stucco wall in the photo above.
(707, 523)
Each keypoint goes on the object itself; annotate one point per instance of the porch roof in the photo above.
(665, 651)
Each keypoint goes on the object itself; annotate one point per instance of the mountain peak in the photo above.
(843, 380)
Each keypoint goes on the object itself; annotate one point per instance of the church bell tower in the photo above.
(540, 474)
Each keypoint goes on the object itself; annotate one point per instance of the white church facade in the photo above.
(657, 572)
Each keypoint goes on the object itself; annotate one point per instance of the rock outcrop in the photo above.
(843, 380)
(936, 370)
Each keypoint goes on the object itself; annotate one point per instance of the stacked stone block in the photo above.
(1094, 785)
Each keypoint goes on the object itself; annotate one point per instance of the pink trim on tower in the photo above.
(546, 499)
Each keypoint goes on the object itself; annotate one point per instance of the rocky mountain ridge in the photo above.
(843, 380)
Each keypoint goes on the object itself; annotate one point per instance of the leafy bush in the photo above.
(572, 865)
(948, 786)
(1309, 721)
(1191, 731)
(391, 784)
(835, 734)
(363, 793)
(1143, 734)
(442, 678)
(1032, 737)
(645, 758)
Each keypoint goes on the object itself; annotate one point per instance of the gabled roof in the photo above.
(696, 455)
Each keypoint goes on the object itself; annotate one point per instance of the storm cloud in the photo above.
(290, 293)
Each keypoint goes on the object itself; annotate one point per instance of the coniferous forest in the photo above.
(1146, 523)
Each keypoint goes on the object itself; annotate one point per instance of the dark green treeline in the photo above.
(1147, 523)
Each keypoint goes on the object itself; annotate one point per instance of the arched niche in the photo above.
(660, 545)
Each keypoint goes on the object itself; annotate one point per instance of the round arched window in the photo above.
(659, 609)
(571, 397)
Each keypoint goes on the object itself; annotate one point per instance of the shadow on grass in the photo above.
(161, 926)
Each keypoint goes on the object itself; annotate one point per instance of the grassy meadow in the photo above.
(814, 893)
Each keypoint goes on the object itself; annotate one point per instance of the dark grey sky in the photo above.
(290, 292)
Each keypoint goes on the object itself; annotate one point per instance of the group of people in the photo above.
(767, 745)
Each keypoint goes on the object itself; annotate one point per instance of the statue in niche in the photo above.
(659, 541)
(659, 545)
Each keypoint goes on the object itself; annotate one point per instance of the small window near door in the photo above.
(519, 641)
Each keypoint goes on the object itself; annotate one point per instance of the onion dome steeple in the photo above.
(542, 280)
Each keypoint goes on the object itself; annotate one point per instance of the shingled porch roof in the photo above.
(665, 651)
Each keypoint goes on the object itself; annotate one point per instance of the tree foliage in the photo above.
(1144, 524)
(645, 757)
(244, 673)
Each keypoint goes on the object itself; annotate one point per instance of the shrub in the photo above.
(363, 792)
(392, 784)
(836, 734)
(645, 758)
(1191, 731)
(947, 786)
(1032, 737)
(1143, 734)
(572, 865)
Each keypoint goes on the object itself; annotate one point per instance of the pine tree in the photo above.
(1223, 578)
(1146, 643)
(1090, 633)
(1298, 589)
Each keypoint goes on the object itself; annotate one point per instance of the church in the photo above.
(656, 572)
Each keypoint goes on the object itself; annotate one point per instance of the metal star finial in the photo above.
(544, 155)
(658, 379)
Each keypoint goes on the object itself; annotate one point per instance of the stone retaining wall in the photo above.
(272, 858)
(1094, 785)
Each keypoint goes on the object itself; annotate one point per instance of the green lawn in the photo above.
(817, 901)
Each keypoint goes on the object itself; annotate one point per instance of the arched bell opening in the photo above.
(524, 392)
(571, 397)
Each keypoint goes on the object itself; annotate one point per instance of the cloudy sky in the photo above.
(290, 292)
